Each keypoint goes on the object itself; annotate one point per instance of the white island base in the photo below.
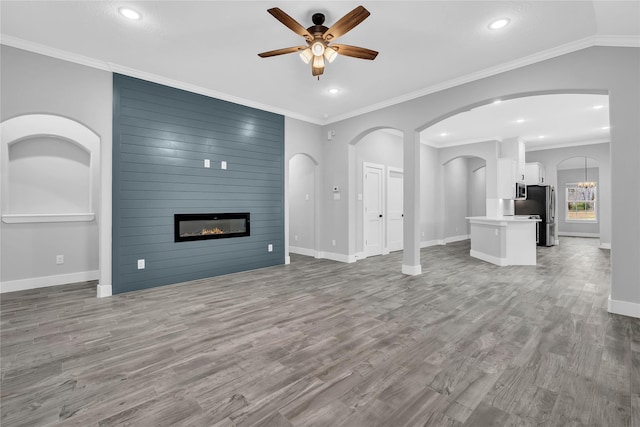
(504, 241)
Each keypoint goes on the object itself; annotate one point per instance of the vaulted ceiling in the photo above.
(211, 47)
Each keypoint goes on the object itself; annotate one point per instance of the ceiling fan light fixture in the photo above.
(317, 48)
(330, 54)
(318, 61)
(306, 55)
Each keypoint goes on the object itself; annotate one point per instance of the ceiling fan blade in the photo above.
(291, 23)
(282, 51)
(346, 23)
(355, 51)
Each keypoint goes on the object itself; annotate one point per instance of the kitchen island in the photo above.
(507, 240)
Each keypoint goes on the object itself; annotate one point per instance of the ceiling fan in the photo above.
(319, 39)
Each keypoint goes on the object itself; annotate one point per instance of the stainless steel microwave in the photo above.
(521, 191)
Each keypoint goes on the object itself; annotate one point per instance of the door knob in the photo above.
(380, 215)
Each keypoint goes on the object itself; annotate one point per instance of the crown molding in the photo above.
(115, 68)
(610, 41)
(603, 40)
(553, 146)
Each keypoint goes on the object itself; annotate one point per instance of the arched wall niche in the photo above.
(303, 190)
(50, 167)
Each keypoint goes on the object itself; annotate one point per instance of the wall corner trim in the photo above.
(624, 308)
(104, 291)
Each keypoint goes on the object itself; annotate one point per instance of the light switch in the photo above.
(207, 163)
(223, 164)
(270, 247)
(141, 264)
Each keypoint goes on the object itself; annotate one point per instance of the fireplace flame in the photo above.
(215, 230)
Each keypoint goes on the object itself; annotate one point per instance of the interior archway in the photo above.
(303, 217)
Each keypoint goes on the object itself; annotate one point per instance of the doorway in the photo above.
(383, 209)
(373, 182)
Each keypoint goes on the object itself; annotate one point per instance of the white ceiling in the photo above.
(211, 47)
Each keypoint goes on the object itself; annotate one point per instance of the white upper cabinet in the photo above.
(514, 149)
(534, 174)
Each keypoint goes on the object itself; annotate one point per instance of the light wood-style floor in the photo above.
(330, 344)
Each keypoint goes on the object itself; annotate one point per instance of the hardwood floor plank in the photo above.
(323, 343)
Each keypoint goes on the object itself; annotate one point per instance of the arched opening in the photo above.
(462, 194)
(578, 194)
(379, 179)
(50, 183)
(303, 216)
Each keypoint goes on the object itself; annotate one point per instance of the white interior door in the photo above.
(394, 210)
(373, 208)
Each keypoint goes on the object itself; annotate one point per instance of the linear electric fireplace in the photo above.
(189, 227)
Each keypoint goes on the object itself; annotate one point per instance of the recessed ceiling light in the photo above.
(541, 136)
(499, 23)
(598, 107)
(520, 121)
(334, 91)
(497, 101)
(444, 134)
(605, 128)
(130, 13)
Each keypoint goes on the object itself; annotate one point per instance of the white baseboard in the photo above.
(104, 291)
(577, 234)
(605, 245)
(42, 282)
(303, 251)
(459, 238)
(502, 262)
(336, 257)
(360, 255)
(429, 243)
(412, 270)
(625, 308)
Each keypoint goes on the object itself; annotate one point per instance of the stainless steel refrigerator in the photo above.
(540, 201)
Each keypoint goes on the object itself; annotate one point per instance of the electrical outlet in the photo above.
(207, 163)
(59, 259)
(223, 164)
(270, 247)
(141, 264)
(333, 243)
(295, 237)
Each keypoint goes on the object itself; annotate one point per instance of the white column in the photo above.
(411, 255)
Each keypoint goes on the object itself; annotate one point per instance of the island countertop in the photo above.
(494, 219)
(505, 240)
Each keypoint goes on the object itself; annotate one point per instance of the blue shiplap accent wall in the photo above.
(161, 136)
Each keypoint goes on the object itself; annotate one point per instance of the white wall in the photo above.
(36, 84)
(430, 197)
(601, 153)
(455, 181)
(478, 189)
(302, 211)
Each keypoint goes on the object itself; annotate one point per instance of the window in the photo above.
(581, 201)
